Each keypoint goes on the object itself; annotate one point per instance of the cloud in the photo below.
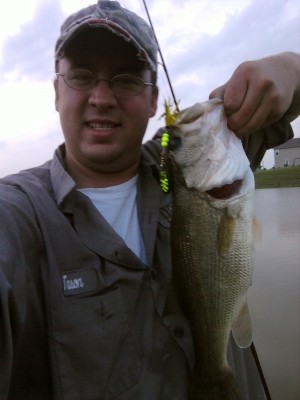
(207, 61)
(202, 44)
(19, 154)
(31, 50)
(199, 62)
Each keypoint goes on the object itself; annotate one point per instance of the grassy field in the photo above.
(278, 178)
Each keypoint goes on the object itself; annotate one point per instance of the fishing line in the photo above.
(162, 58)
(252, 347)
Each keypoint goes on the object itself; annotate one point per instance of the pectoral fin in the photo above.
(225, 234)
(242, 328)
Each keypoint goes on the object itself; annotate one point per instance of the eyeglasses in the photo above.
(121, 85)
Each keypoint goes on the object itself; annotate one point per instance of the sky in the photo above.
(202, 43)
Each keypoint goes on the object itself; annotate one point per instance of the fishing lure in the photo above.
(170, 113)
(170, 117)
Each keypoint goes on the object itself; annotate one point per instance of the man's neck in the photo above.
(89, 178)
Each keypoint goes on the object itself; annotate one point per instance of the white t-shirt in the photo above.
(117, 204)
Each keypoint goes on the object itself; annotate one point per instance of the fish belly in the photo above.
(212, 257)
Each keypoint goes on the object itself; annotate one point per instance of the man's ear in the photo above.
(55, 84)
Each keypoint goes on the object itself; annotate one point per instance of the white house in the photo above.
(287, 154)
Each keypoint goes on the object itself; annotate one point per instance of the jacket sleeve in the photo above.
(18, 242)
(259, 142)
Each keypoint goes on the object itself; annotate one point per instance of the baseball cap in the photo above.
(120, 21)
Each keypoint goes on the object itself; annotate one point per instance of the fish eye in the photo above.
(175, 140)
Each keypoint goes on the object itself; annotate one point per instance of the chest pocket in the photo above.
(90, 364)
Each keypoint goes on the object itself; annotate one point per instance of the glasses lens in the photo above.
(127, 85)
(80, 79)
(123, 85)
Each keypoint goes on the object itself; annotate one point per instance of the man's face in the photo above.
(103, 132)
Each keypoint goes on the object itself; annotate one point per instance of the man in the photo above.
(88, 307)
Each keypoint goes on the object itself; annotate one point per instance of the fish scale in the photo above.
(210, 285)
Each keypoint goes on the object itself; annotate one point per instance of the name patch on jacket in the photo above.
(78, 282)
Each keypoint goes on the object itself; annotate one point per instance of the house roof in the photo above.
(292, 143)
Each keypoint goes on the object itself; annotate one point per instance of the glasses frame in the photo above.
(109, 81)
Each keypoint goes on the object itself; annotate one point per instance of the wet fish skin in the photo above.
(212, 252)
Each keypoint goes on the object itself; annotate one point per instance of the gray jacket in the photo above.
(82, 316)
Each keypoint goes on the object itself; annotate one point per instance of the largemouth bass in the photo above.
(212, 242)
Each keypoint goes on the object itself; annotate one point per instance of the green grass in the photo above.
(277, 178)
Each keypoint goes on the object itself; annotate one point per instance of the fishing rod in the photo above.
(252, 347)
(260, 371)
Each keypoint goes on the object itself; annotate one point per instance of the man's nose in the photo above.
(102, 93)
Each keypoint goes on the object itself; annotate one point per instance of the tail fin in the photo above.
(222, 387)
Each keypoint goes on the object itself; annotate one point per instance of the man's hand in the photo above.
(260, 92)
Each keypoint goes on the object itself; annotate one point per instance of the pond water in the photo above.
(274, 297)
